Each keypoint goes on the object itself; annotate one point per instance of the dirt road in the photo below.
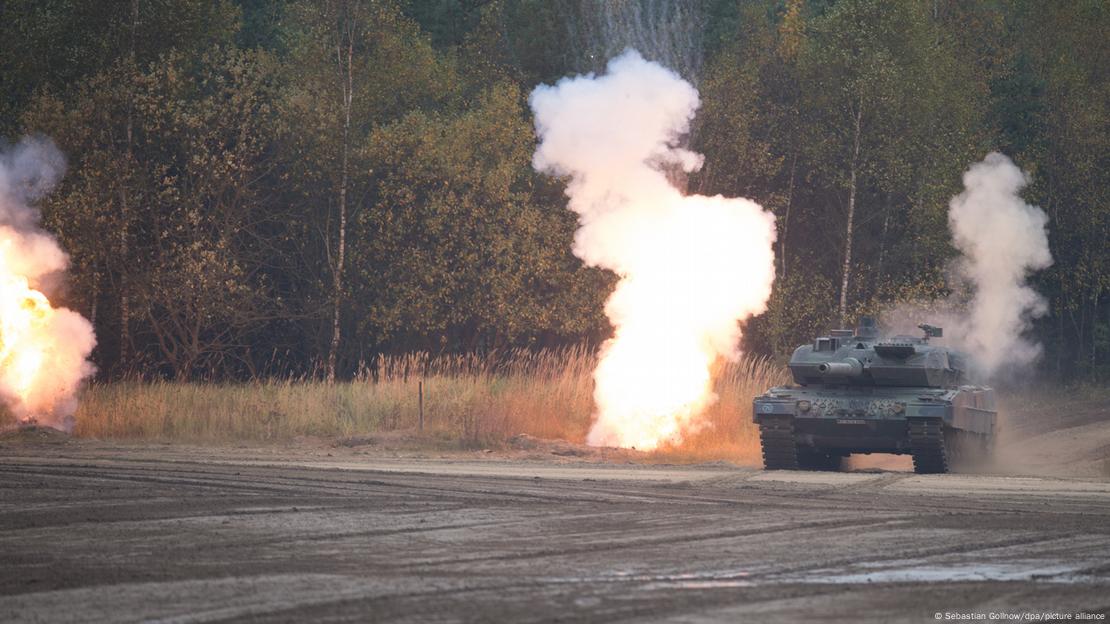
(103, 533)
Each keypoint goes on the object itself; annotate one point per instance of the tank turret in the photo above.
(861, 357)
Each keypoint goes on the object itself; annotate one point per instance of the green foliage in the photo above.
(797, 311)
(176, 212)
(222, 153)
(1066, 149)
(54, 43)
(447, 22)
(456, 245)
(920, 109)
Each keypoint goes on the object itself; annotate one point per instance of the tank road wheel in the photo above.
(927, 442)
(776, 436)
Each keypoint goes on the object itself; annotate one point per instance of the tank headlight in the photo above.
(803, 406)
(899, 408)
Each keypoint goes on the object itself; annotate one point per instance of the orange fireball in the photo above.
(43, 349)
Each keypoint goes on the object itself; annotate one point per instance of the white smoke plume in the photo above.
(43, 350)
(1002, 240)
(690, 267)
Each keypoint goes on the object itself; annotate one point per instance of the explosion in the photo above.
(690, 267)
(43, 350)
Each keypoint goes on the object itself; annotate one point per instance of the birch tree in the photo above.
(355, 64)
(884, 101)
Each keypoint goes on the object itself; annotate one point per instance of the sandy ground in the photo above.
(92, 531)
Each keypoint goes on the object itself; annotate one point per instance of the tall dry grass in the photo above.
(727, 431)
(469, 401)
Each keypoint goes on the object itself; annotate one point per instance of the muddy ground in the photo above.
(359, 531)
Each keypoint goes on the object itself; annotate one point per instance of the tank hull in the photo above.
(814, 426)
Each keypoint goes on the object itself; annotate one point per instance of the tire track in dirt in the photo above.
(411, 539)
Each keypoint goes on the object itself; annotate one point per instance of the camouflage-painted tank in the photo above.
(858, 393)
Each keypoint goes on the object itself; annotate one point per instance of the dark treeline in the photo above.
(261, 187)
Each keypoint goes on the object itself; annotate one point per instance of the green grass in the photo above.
(469, 402)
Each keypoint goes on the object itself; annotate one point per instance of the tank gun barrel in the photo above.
(850, 367)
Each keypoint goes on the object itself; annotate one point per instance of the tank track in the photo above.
(776, 436)
(928, 445)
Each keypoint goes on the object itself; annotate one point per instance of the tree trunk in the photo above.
(1060, 338)
(882, 237)
(94, 297)
(125, 210)
(851, 216)
(347, 82)
(1107, 315)
(786, 215)
(1094, 330)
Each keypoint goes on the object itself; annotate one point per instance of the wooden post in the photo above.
(420, 402)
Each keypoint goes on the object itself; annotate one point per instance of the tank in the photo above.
(856, 392)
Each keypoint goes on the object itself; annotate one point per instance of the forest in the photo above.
(261, 189)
